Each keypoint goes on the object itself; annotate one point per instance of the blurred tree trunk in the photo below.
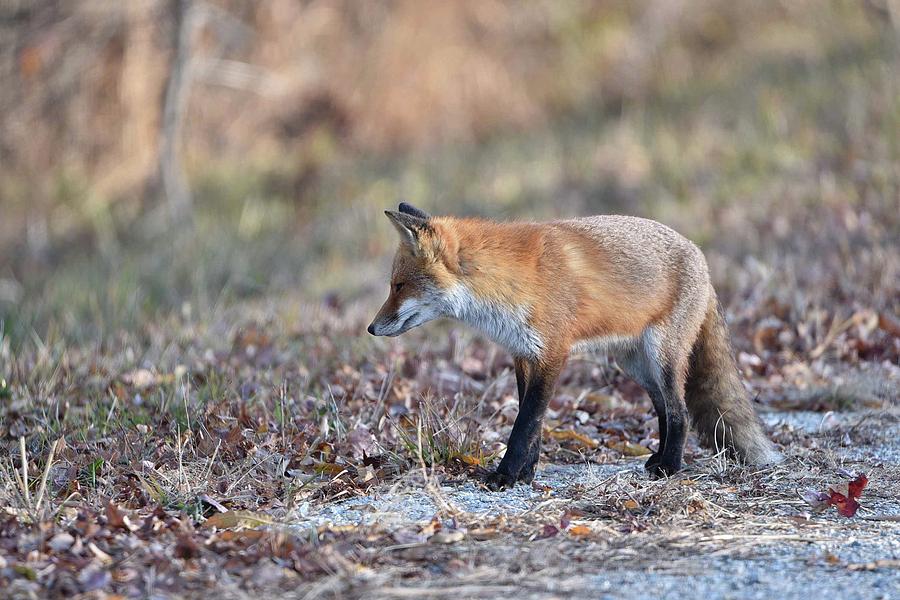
(178, 194)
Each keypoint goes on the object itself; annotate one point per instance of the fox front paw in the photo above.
(661, 467)
(496, 481)
(526, 475)
(653, 461)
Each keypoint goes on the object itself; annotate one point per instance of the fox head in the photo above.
(423, 271)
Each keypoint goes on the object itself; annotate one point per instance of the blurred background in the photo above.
(174, 156)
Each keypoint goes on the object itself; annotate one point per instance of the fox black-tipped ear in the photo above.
(408, 226)
(409, 209)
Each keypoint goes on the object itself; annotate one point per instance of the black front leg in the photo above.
(523, 373)
(523, 448)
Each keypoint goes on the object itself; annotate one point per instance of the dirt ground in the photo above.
(717, 529)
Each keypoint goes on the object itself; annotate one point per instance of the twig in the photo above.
(837, 328)
(24, 470)
(212, 459)
(45, 475)
(469, 591)
(182, 477)
(282, 396)
(241, 478)
(18, 480)
(112, 410)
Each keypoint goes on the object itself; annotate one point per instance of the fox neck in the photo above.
(507, 325)
(486, 294)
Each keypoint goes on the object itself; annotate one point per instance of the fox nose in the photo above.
(371, 328)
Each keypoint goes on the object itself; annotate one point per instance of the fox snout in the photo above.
(382, 328)
(387, 321)
(391, 325)
(392, 320)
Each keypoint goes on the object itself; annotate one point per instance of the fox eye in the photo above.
(398, 286)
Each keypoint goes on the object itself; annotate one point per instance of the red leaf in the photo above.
(856, 486)
(846, 506)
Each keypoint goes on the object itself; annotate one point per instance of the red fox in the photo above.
(626, 286)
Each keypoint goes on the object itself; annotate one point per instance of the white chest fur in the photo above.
(506, 325)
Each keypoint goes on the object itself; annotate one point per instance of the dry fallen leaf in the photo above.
(548, 531)
(819, 501)
(447, 537)
(140, 378)
(856, 486)
(117, 519)
(365, 475)
(329, 528)
(630, 449)
(579, 530)
(186, 548)
(248, 535)
(329, 468)
(99, 554)
(467, 459)
(235, 519)
(844, 496)
(876, 565)
(600, 403)
(481, 534)
(572, 435)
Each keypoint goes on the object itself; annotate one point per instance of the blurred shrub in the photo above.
(290, 84)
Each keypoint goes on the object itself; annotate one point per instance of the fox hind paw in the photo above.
(496, 481)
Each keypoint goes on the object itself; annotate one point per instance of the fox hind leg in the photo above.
(668, 347)
(641, 364)
(676, 424)
(659, 405)
(663, 379)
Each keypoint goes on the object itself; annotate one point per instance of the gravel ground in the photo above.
(784, 575)
(787, 552)
(409, 503)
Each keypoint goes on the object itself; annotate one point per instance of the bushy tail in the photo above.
(720, 408)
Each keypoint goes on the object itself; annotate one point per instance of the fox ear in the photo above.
(406, 207)
(409, 227)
